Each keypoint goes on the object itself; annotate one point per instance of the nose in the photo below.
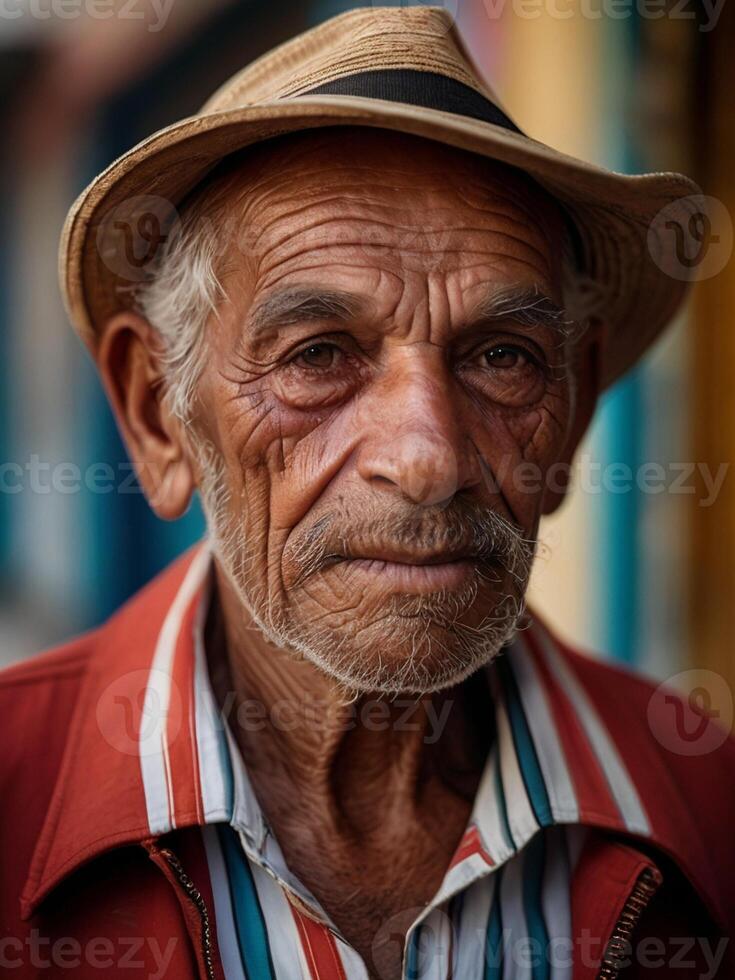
(417, 444)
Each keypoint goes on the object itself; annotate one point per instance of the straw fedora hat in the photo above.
(401, 69)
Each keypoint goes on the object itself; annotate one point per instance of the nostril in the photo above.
(383, 481)
(425, 469)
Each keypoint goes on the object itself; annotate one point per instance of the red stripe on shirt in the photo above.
(594, 797)
(469, 845)
(320, 949)
(181, 726)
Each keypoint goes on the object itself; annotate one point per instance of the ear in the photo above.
(128, 358)
(587, 371)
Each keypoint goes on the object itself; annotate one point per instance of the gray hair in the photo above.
(179, 299)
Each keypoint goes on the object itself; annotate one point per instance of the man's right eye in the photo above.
(320, 356)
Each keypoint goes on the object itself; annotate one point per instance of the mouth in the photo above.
(402, 556)
(409, 572)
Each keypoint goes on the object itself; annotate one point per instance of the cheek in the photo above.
(519, 448)
(280, 459)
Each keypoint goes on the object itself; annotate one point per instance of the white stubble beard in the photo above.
(443, 650)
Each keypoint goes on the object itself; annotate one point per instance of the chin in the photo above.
(408, 654)
(391, 642)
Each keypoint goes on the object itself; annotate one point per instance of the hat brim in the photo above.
(633, 276)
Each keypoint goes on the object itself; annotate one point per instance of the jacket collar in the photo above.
(147, 753)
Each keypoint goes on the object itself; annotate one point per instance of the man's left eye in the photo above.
(505, 356)
(320, 355)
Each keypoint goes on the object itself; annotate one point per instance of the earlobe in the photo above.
(169, 492)
(129, 362)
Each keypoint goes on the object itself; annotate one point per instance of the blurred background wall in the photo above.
(647, 577)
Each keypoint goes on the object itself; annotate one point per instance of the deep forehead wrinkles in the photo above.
(376, 213)
(406, 221)
(402, 183)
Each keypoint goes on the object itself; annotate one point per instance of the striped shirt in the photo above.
(503, 907)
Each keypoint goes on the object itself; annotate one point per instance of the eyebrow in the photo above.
(298, 304)
(526, 305)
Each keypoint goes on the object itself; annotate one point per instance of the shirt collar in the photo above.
(148, 751)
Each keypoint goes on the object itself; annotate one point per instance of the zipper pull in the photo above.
(619, 945)
(172, 868)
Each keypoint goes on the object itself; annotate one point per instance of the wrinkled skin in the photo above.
(411, 408)
(392, 413)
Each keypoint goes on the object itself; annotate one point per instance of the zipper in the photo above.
(619, 944)
(194, 896)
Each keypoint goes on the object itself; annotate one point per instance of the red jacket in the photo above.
(87, 891)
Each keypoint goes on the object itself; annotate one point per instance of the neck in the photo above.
(358, 759)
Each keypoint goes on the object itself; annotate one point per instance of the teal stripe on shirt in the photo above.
(252, 933)
(494, 941)
(533, 778)
(534, 862)
(502, 808)
(412, 955)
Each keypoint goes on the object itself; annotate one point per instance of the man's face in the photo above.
(377, 415)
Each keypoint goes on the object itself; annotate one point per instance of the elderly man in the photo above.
(362, 314)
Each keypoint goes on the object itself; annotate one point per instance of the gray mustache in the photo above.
(482, 534)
